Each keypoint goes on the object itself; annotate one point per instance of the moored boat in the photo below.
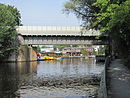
(40, 59)
(48, 58)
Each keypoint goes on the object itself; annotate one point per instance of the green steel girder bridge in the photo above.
(56, 35)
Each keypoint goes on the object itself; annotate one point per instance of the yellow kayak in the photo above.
(48, 58)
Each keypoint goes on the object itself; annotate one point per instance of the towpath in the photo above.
(118, 80)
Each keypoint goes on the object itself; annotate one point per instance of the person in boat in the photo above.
(39, 55)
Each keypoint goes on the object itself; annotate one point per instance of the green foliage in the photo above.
(38, 49)
(60, 47)
(59, 55)
(119, 26)
(9, 18)
(110, 16)
(94, 52)
(84, 52)
(101, 50)
(83, 9)
(114, 20)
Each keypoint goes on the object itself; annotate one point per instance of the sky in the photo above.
(43, 12)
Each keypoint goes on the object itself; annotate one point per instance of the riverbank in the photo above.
(118, 80)
(66, 87)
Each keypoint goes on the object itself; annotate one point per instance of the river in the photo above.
(66, 78)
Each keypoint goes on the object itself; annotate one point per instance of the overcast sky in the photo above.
(43, 12)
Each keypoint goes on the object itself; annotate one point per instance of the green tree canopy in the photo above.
(9, 19)
(83, 9)
(110, 16)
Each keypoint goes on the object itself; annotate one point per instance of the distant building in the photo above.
(47, 50)
(50, 52)
(96, 47)
(71, 51)
(77, 51)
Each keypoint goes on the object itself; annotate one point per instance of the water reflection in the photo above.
(9, 80)
(12, 75)
(27, 67)
(68, 67)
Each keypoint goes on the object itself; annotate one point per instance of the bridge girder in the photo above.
(60, 40)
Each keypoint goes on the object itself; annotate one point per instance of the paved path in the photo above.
(118, 80)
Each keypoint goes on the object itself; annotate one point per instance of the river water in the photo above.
(66, 78)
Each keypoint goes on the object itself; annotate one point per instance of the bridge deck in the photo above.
(59, 35)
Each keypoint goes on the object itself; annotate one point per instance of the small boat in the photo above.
(45, 58)
(40, 59)
(48, 58)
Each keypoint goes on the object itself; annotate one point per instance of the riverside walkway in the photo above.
(118, 80)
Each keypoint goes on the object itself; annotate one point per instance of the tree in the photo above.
(84, 52)
(114, 20)
(9, 19)
(83, 9)
(60, 47)
(101, 50)
(119, 27)
(110, 16)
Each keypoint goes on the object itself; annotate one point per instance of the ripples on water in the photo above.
(25, 79)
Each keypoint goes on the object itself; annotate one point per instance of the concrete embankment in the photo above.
(102, 93)
(26, 53)
(23, 53)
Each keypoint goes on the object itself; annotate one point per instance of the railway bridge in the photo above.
(59, 35)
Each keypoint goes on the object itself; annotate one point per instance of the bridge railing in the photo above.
(56, 30)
